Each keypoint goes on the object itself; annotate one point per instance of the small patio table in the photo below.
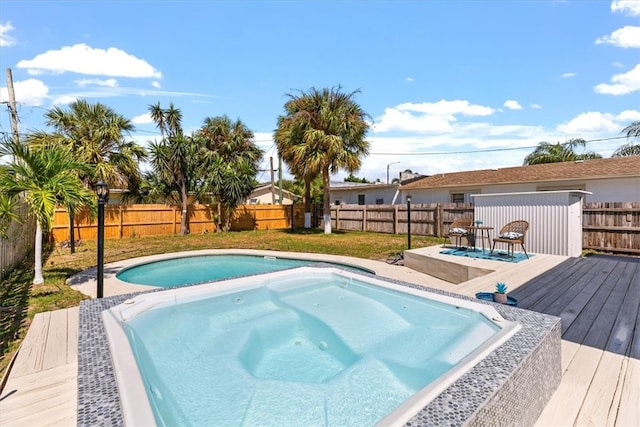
(484, 234)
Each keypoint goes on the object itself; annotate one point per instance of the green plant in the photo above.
(501, 288)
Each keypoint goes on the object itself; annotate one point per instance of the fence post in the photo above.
(395, 219)
(337, 217)
(364, 218)
(439, 225)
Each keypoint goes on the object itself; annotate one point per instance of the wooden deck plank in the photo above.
(629, 409)
(577, 306)
(55, 352)
(619, 281)
(634, 351)
(621, 337)
(31, 350)
(530, 294)
(565, 404)
(30, 397)
(598, 408)
(73, 316)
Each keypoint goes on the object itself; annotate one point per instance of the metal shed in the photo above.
(555, 218)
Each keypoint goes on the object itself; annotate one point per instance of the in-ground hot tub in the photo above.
(497, 389)
(306, 346)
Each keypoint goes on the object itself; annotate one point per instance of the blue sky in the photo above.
(449, 85)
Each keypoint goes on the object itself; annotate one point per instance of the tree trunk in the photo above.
(38, 279)
(72, 234)
(326, 200)
(307, 203)
(184, 230)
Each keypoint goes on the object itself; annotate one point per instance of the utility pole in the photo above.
(273, 186)
(280, 179)
(12, 107)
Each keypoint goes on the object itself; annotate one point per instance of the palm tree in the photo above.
(230, 161)
(173, 158)
(324, 129)
(293, 151)
(546, 152)
(48, 176)
(629, 149)
(97, 136)
(633, 130)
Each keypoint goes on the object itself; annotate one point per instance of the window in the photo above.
(361, 199)
(379, 201)
(457, 197)
(337, 202)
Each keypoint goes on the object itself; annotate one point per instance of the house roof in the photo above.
(615, 167)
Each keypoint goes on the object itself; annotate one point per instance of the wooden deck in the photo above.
(42, 387)
(597, 299)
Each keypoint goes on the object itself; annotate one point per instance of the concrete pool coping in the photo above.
(511, 386)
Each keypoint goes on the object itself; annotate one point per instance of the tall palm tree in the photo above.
(325, 129)
(294, 152)
(546, 152)
(174, 158)
(633, 130)
(48, 176)
(229, 161)
(97, 136)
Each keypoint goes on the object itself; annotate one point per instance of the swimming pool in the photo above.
(346, 339)
(192, 269)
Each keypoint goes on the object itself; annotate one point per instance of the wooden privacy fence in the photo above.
(611, 227)
(431, 219)
(122, 221)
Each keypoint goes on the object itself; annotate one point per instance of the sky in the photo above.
(448, 85)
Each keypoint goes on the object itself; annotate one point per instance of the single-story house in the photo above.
(615, 179)
(355, 193)
(268, 194)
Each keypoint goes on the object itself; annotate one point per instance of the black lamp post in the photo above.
(408, 222)
(102, 190)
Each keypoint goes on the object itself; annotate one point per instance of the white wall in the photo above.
(350, 196)
(614, 190)
(555, 218)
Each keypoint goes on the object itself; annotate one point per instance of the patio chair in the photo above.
(513, 233)
(459, 228)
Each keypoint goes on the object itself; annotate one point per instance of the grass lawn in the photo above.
(20, 301)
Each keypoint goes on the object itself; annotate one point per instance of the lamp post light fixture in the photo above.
(408, 221)
(102, 190)
(394, 163)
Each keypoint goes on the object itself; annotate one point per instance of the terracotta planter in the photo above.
(501, 298)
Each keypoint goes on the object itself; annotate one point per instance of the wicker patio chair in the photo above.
(513, 233)
(459, 228)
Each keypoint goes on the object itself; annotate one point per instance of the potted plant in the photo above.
(500, 295)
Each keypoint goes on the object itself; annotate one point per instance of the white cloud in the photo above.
(627, 37)
(627, 7)
(97, 82)
(142, 119)
(83, 59)
(585, 124)
(28, 92)
(156, 84)
(5, 39)
(536, 106)
(622, 84)
(628, 116)
(568, 75)
(512, 105)
(409, 79)
(65, 100)
(427, 117)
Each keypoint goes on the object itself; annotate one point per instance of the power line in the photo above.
(488, 150)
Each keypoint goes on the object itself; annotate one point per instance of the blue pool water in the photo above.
(302, 347)
(205, 268)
